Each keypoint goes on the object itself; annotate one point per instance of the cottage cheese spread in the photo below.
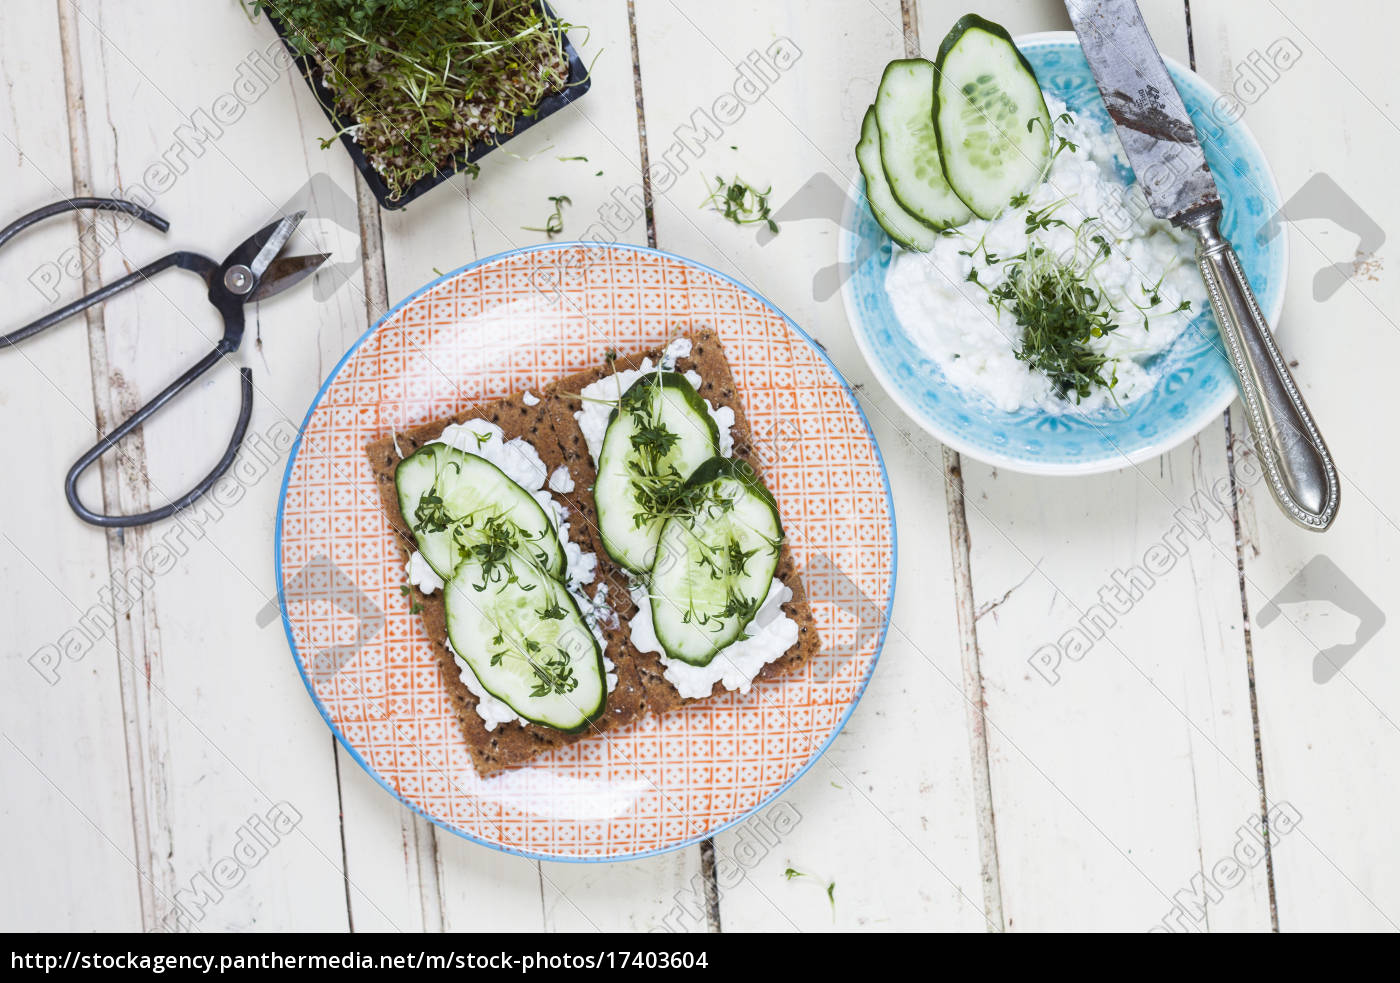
(561, 480)
(768, 636)
(600, 397)
(953, 320)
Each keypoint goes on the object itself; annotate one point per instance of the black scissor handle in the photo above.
(245, 410)
(79, 205)
(193, 262)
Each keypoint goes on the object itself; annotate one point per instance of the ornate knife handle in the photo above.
(1299, 468)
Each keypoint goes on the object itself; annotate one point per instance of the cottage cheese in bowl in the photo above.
(1085, 218)
(1167, 390)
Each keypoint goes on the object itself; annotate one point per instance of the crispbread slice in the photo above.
(509, 744)
(717, 385)
(551, 427)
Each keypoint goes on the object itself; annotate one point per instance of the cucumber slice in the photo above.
(898, 224)
(450, 498)
(993, 127)
(521, 633)
(909, 145)
(659, 434)
(714, 563)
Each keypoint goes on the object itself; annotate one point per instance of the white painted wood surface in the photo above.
(1136, 766)
(1332, 749)
(1088, 802)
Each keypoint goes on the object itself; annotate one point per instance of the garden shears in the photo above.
(254, 271)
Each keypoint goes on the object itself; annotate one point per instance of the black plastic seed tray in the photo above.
(578, 83)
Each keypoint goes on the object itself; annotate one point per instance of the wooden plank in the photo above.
(468, 220)
(222, 716)
(1161, 703)
(1319, 96)
(66, 778)
(912, 814)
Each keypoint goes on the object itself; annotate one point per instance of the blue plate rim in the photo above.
(1190, 427)
(354, 753)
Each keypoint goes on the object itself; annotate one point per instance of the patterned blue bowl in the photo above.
(1196, 383)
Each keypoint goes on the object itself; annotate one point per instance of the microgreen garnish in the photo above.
(1060, 313)
(654, 439)
(739, 557)
(553, 671)
(431, 514)
(741, 203)
(724, 557)
(573, 158)
(1043, 218)
(555, 223)
(656, 484)
(1058, 303)
(554, 675)
(555, 611)
(1063, 143)
(791, 873)
(1153, 294)
(493, 546)
(486, 535)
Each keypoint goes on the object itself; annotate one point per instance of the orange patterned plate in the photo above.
(521, 320)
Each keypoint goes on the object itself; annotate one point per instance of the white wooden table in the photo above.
(1042, 792)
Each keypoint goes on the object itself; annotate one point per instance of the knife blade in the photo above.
(1162, 145)
(1146, 109)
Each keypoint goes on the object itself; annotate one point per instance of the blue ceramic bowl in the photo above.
(1196, 383)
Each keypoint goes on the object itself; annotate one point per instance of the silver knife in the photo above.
(1171, 168)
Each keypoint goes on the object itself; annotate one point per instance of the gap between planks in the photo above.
(135, 639)
(1244, 604)
(960, 545)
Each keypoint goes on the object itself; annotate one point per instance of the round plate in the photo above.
(522, 320)
(1196, 383)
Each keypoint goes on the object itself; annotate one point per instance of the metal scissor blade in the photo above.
(287, 271)
(281, 231)
(259, 250)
